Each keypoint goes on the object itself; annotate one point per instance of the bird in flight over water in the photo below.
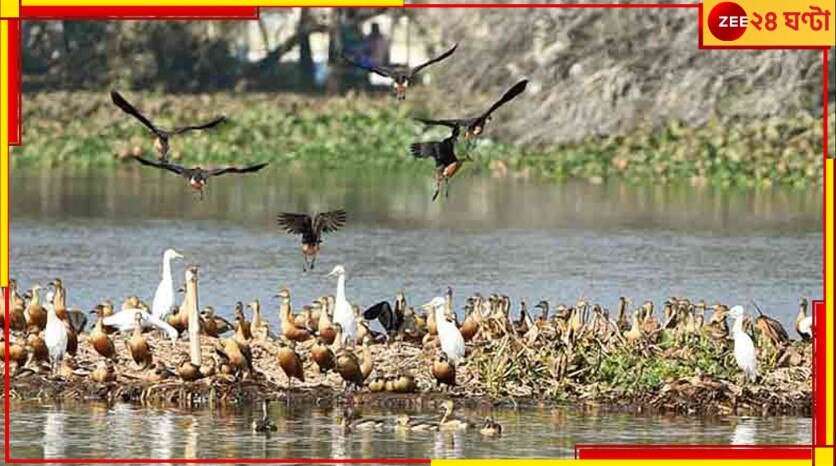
(311, 229)
(197, 176)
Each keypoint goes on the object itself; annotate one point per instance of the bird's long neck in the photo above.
(341, 288)
(738, 325)
(167, 270)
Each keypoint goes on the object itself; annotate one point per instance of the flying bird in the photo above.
(401, 76)
(476, 125)
(198, 176)
(444, 154)
(311, 229)
(162, 136)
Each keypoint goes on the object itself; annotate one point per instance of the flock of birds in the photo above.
(311, 227)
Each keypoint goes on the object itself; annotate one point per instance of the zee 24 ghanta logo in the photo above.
(728, 21)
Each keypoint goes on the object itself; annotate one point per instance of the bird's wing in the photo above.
(372, 69)
(249, 169)
(160, 164)
(452, 123)
(375, 311)
(509, 95)
(437, 150)
(437, 59)
(160, 324)
(207, 125)
(326, 222)
(130, 110)
(298, 224)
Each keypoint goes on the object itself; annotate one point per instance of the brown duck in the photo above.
(99, 339)
(322, 355)
(290, 362)
(35, 313)
(443, 371)
(289, 328)
(138, 345)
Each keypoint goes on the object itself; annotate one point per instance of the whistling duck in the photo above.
(542, 319)
(133, 301)
(621, 321)
(404, 383)
(236, 351)
(803, 322)
(68, 368)
(635, 331)
(302, 320)
(198, 177)
(99, 339)
(138, 345)
(770, 329)
(452, 342)
(17, 308)
(401, 76)
(104, 373)
(311, 229)
(325, 328)
(188, 371)
(290, 362)
(470, 326)
(322, 355)
(446, 162)
(377, 384)
(524, 322)
(289, 328)
(718, 328)
(161, 136)
(443, 371)
(165, 295)
(404, 422)
(448, 422)
(343, 313)
(158, 373)
(214, 325)
(367, 364)
(59, 298)
(35, 313)
(264, 424)
(346, 363)
(17, 353)
(37, 346)
(258, 325)
(744, 348)
(476, 125)
(490, 428)
(241, 325)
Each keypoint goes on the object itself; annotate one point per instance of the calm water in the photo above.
(104, 233)
(305, 432)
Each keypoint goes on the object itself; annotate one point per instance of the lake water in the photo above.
(103, 233)
(100, 431)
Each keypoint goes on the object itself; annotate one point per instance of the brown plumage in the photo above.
(104, 373)
(770, 329)
(72, 339)
(243, 329)
(59, 299)
(346, 363)
(290, 362)
(138, 345)
(37, 346)
(322, 355)
(367, 365)
(17, 353)
(189, 372)
(17, 308)
(213, 325)
(404, 383)
(289, 328)
(443, 371)
(100, 341)
(325, 326)
(35, 313)
(470, 327)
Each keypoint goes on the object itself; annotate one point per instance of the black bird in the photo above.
(444, 154)
(389, 318)
(162, 135)
(311, 230)
(198, 176)
(476, 125)
(401, 76)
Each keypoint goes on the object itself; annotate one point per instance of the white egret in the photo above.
(452, 342)
(164, 297)
(343, 313)
(744, 348)
(55, 336)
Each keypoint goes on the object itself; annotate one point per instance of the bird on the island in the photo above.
(390, 318)
(311, 229)
(161, 136)
(401, 76)
(164, 297)
(198, 177)
(475, 126)
(744, 348)
(343, 312)
(446, 162)
(55, 337)
(452, 342)
(803, 322)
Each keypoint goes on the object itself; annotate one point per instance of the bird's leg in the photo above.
(446, 188)
(313, 262)
(437, 187)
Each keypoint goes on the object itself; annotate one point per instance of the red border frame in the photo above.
(582, 451)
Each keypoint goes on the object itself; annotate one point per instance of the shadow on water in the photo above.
(99, 431)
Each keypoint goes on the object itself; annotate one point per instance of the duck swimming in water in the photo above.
(161, 136)
(264, 425)
(490, 428)
(448, 422)
(312, 229)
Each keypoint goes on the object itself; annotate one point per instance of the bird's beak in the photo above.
(177, 255)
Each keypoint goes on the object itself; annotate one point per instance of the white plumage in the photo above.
(744, 348)
(452, 342)
(55, 335)
(343, 313)
(125, 323)
(164, 297)
(805, 326)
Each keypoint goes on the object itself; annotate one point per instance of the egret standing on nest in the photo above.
(744, 348)
(343, 313)
(164, 297)
(452, 342)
